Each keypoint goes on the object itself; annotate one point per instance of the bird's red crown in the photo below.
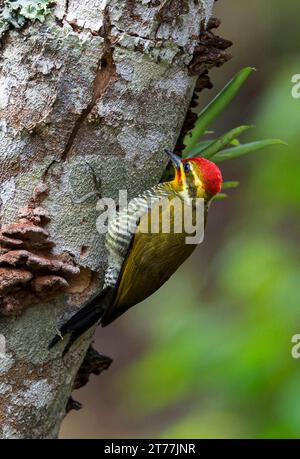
(210, 175)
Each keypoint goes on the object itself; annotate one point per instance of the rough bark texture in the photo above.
(88, 101)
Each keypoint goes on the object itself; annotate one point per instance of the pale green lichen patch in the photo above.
(15, 13)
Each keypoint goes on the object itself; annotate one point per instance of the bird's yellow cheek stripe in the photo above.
(179, 182)
(199, 186)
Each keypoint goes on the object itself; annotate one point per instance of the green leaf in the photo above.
(215, 108)
(241, 150)
(230, 185)
(220, 197)
(213, 148)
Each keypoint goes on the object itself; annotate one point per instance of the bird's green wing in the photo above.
(151, 260)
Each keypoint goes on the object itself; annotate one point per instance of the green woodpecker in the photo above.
(140, 262)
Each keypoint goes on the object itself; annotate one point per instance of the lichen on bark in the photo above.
(15, 13)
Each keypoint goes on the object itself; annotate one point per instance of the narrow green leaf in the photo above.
(213, 110)
(229, 185)
(244, 149)
(220, 197)
(221, 142)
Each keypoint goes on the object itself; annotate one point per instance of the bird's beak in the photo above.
(176, 160)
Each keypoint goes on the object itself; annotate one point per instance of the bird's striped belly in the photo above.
(121, 230)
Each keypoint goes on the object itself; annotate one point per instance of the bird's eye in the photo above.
(187, 167)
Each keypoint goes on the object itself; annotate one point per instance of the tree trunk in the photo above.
(88, 102)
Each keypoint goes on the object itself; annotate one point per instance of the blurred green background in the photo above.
(209, 355)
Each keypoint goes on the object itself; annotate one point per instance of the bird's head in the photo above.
(198, 177)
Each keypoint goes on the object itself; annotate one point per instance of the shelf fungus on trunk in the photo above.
(29, 271)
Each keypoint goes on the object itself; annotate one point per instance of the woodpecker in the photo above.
(140, 262)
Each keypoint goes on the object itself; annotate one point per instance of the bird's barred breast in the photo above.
(121, 229)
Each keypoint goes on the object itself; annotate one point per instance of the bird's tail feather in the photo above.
(84, 319)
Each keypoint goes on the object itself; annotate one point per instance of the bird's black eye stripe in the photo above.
(187, 167)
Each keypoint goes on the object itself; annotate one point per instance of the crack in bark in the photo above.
(105, 73)
(66, 8)
(76, 28)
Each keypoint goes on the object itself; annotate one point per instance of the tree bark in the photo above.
(88, 102)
